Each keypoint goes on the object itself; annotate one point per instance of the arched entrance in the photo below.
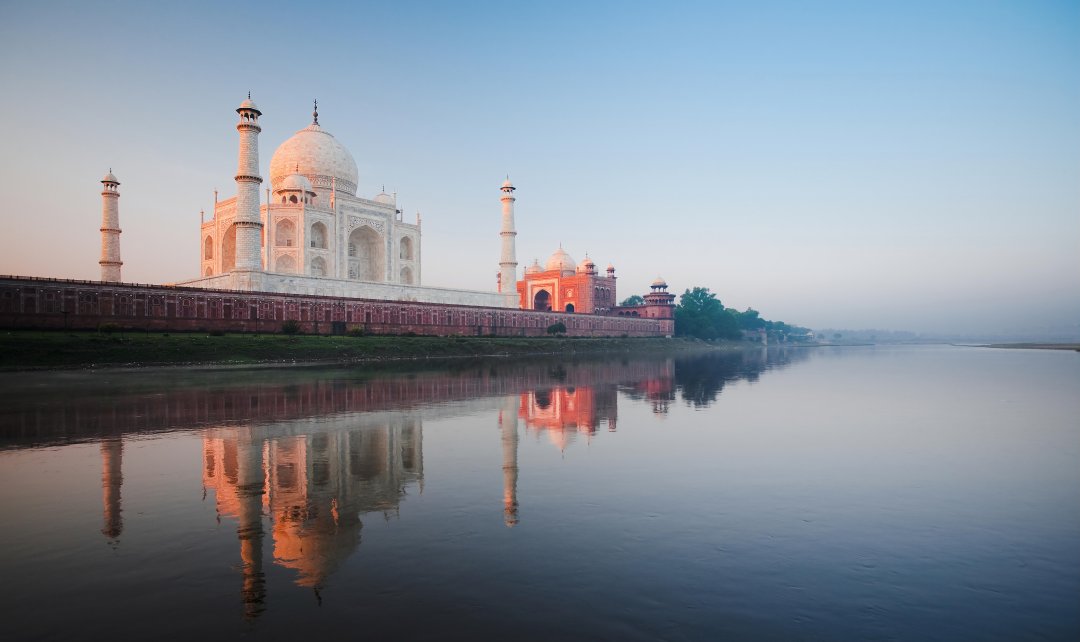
(367, 256)
(406, 276)
(228, 250)
(570, 308)
(542, 300)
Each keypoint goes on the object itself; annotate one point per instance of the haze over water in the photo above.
(903, 493)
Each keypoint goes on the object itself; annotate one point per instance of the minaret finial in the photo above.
(315, 114)
(249, 94)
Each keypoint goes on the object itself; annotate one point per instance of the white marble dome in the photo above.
(384, 198)
(561, 261)
(110, 178)
(586, 266)
(317, 155)
(659, 283)
(534, 268)
(295, 182)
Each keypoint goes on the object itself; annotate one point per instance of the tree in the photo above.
(700, 314)
(556, 328)
(631, 301)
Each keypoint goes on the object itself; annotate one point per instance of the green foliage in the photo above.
(292, 326)
(556, 328)
(358, 331)
(700, 314)
(632, 301)
(108, 328)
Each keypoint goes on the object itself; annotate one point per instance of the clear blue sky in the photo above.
(905, 165)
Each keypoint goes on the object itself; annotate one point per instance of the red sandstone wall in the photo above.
(27, 302)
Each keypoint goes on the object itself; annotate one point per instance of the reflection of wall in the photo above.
(314, 487)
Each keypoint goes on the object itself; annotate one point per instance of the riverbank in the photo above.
(1037, 346)
(31, 350)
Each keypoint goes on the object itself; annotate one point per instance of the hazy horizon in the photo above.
(911, 166)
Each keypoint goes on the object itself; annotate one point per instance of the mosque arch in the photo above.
(285, 233)
(318, 266)
(406, 249)
(209, 271)
(570, 308)
(292, 199)
(286, 263)
(208, 248)
(228, 250)
(406, 276)
(542, 300)
(367, 255)
(318, 236)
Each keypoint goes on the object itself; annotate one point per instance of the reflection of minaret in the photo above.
(112, 454)
(508, 424)
(249, 489)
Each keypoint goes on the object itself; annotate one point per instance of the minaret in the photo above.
(110, 229)
(508, 262)
(248, 222)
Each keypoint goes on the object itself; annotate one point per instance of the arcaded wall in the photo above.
(27, 302)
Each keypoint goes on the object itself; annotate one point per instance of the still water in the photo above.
(908, 493)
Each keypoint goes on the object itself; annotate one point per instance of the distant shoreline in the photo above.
(1035, 346)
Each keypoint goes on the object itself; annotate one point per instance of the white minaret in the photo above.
(248, 222)
(110, 229)
(508, 262)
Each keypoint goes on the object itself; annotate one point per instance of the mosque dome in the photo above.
(659, 283)
(561, 261)
(586, 266)
(295, 182)
(249, 104)
(316, 154)
(534, 268)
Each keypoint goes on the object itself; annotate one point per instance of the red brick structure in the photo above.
(565, 287)
(37, 303)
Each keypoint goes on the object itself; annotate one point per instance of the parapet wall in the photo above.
(37, 303)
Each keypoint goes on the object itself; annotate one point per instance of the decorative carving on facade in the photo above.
(356, 221)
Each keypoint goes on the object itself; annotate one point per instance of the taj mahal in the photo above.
(307, 248)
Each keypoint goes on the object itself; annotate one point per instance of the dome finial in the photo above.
(315, 114)
(249, 94)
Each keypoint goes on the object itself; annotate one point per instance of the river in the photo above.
(909, 493)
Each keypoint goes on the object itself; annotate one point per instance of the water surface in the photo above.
(856, 493)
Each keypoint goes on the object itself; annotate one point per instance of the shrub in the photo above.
(292, 326)
(556, 328)
(356, 332)
(108, 328)
(216, 333)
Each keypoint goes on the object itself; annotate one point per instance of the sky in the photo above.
(895, 165)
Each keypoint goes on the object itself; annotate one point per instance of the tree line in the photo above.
(700, 314)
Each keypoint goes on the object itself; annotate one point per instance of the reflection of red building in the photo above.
(564, 412)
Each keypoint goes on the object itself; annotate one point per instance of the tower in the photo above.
(248, 221)
(110, 229)
(508, 425)
(508, 262)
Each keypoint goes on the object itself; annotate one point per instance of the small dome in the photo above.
(295, 182)
(586, 266)
(384, 198)
(249, 104)
(610, 267)
(316, 154)
(561, 261)
(109, 178)
(507, 183)
(659, 283)
(534, 268)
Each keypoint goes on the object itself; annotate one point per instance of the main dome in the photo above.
(317, 155)
(561, 261)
